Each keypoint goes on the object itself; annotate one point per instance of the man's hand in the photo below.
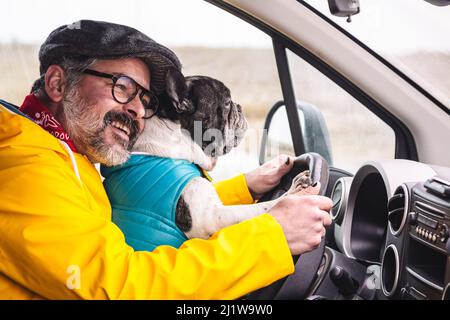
(268, 176)
(303, 220)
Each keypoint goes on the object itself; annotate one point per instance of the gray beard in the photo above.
(87, 131)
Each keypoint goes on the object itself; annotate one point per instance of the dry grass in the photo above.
(356, 134)
(19, 68)
(250, 74)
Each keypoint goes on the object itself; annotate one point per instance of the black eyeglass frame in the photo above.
(114, 77)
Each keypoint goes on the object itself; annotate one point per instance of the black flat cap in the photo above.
(104, 40)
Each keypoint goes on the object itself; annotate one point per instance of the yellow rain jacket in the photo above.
(57, 240)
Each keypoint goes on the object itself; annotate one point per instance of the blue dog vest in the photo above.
(144, 193)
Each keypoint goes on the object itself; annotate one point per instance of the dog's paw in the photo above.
(300, 183)
(207, 163)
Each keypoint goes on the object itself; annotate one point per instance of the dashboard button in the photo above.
(413, 218)
(444, 233)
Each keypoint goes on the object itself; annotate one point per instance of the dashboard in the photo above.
(391, 233)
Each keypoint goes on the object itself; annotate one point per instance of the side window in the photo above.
(356, 134)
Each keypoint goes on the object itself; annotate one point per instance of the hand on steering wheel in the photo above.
(297, 285)
(268, 175)
(312, 162)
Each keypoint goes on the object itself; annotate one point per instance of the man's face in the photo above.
(102, 128)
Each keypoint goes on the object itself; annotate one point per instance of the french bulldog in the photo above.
(198, 121)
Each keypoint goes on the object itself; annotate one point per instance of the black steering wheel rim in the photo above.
(319, 172)
(298, 284)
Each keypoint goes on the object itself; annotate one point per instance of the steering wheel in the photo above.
(298, 284)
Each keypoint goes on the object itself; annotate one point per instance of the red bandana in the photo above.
(37, 111)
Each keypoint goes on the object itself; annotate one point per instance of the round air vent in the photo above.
(339, 196)
(398, 210)
(390, 270)
(446, 294)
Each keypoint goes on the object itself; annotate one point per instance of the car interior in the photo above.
(390, 231)
(390, 234)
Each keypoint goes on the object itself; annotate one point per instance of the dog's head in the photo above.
(204, 108)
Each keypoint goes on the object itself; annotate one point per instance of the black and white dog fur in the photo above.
(201, 103)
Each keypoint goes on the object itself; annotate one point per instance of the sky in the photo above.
(171, 22)
(404, 24)
(398, 25)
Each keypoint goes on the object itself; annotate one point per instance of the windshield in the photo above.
(413, 35)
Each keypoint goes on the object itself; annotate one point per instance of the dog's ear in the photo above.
(177, 90)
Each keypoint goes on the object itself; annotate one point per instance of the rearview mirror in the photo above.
(439, 3)
(344, 8)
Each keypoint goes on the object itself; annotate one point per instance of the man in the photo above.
(57, 239)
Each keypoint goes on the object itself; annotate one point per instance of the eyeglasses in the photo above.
(125, 89)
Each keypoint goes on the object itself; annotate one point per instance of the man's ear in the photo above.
(55, 80)
(177, 91)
